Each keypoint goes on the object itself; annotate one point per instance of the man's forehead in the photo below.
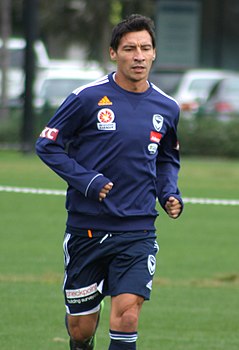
(136, 38)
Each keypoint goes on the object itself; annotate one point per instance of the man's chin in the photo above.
(142, 76)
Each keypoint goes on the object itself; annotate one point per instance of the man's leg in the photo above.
(124, 317)
(81, 330)
(78, 345)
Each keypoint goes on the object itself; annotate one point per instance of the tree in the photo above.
(84, 22)
(5, 33)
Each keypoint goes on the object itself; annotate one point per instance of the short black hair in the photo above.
(133, 23)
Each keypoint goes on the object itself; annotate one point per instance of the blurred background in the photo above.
(47, 49)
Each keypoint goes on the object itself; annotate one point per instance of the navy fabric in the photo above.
(103, 133)
(107, 264)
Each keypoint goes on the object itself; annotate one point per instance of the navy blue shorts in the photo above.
(107, 264)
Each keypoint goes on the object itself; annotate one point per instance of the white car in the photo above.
(57, 84)
(15, 74)
(194, 87)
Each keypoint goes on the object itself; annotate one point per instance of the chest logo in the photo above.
(105, 101)
(155, 136)
(157, 122)
(106, 119)
(152, 148)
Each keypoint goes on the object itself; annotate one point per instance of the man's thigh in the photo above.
(132, 269)
(84, 272)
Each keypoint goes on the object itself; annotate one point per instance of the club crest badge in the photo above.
(151, 264)
(158, 122)
(152, 148)
(106, 119)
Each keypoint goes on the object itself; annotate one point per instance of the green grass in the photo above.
(211, 178)
(194, 304)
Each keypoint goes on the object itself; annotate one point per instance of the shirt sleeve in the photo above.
(51, 147)
(168, 166)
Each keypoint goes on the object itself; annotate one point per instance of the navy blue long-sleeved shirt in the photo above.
(103, 133)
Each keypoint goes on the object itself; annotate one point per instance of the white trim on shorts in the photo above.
(88, 312)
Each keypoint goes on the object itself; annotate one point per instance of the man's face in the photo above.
(134, 56)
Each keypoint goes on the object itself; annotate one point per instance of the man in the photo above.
(114, 142)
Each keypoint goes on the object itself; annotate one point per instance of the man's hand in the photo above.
(173, 207)
(105, 190)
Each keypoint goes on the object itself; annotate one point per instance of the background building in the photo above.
(197, 33)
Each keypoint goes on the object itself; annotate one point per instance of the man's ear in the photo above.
(112, 54)
(154, 56)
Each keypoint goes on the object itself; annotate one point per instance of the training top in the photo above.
(102, 133)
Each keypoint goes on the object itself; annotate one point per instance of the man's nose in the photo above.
(139, 55)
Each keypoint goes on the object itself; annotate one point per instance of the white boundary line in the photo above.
(211, 201)
(32, 190)
(63, 193)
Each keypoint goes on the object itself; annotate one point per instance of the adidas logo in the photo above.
(105, 102)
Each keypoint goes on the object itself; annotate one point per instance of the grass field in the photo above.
(195, 297)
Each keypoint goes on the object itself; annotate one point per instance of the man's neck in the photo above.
(132, 86)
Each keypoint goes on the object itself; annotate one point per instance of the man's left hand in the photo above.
(173, 207)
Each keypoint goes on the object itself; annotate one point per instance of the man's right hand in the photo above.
(105, 190)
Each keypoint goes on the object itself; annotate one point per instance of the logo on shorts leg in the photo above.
(149, 285)
(81, 295)
(151, 264)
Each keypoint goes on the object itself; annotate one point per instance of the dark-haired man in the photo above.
(121, 155)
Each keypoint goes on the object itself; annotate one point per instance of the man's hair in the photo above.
(133, 23)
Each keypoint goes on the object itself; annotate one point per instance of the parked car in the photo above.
(166, 80)
(16, 74)
(58, 83)
(223, 100)
(194, 87)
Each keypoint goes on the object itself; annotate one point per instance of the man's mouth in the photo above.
(138, 68)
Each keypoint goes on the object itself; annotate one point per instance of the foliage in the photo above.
(198, 137)
(11, 128)
(209, 137)
(86, 22)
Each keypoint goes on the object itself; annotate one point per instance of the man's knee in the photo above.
(125, 312)
(129, 319)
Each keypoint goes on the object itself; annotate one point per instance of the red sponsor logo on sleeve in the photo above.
(155, 136)
(49, 133)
